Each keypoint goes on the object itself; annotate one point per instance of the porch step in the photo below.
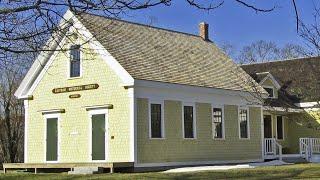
(85, 170)
(315, 158)
(294, 160)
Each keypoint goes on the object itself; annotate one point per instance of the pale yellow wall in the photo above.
(176, 149)
(75, 148)
(303, 125)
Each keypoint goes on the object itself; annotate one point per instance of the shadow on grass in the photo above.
(300, 171)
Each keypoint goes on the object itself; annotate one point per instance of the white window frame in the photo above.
(194, 120)
(106, 146)
(273, 93)
(212, 121)
(161, 102)
(248, 121)
(46, 117)
(282, 127)
(69, 64)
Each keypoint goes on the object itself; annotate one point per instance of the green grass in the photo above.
(298, 171)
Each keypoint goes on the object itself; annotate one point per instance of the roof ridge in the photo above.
(282, 60)
(141, 24)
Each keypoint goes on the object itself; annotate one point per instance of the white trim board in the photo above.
(307, 104)
(35, 73)
(271, 77)
(185, 93)
(26, 130)
(283, 118)
(262, 132)
(194, 119)
(272, 121)
(81, 61)
(248, 122)
(223, 121)
(191, 163)
(161, 102)
(46, 117)
(281, 109)
(132, 135)
(105, 113)
(273, 91)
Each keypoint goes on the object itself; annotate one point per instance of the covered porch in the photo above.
(290, 133)
(309, 150)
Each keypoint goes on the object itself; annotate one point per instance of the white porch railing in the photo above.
(308, 147)
(272, 149)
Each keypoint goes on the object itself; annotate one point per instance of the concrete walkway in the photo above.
(226, 167)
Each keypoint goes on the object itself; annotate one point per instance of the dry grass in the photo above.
(298, 171)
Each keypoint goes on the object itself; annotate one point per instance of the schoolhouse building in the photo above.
(142, 96)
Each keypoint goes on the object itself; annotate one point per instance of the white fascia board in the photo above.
(197, 89)
(127, 79)
(307, 104)
(160, 90)
(274, 81)
(281, 109)
(42, 59)
(32, 74)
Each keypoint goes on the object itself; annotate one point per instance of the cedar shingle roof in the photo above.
(149, 53)
(298, 77)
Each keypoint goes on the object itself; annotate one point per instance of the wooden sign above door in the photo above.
(75, 88)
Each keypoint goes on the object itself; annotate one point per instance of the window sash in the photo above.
(188, 122)
(217, 123)
(279, 127)
(75, 62)
(243, 123)
(270, 92)
(156, 121)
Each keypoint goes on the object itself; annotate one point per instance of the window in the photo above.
(75, 61)
(279, 127)
(217, 124)
(156, 121)
(244, 123)
(188, 122)
(270, 91)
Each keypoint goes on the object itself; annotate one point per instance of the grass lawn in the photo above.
(298, 171)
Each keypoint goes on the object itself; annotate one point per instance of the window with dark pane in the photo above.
(279, 127)
(75, 61)
(188, 122)
(243, 117)
(156, 121)
(270, 92)
(217, 123)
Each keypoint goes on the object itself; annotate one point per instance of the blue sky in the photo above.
(232, 23)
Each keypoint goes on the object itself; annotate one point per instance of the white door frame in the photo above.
(46, 117)
(271, 119)
(106, 135)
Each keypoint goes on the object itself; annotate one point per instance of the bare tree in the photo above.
(32, 22)
(228, 49)
(11, 117)
(264, 51)
(310, 33)
(259, 51)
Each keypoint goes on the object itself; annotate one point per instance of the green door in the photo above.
(52, 139)
(98, 137)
